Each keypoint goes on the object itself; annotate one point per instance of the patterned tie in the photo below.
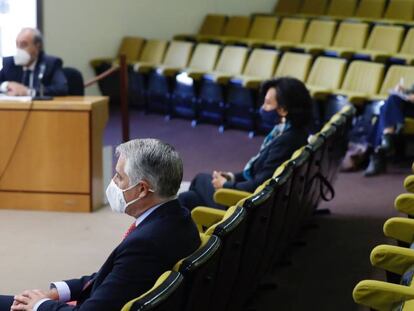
(130, 229)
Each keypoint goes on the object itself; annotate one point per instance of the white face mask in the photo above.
(116, 197)
(22, 57)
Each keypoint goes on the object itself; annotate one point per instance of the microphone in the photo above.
(40, 76)
(42, 69)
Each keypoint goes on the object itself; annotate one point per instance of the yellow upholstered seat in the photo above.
(213, 25)
(204, 59)
(393, 77)
(341, 8)
(399, 10)
(326, 75)
(236, 27)
(130, 47)
(167, 293)
(383, 42)
(263, 29)
(362, 80)
(296, 65)
(313, 7)
(176, 57)
(319, 36)
(230, 63)
(370, 9)
(407, 49)
(152, 54)
(349, 38)
(400, 229)
(285, 7)
(259, 67)
(289, 33)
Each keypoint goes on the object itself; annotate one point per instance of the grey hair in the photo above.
(154, 161)
(37, 36)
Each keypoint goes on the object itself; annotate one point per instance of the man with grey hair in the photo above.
(30, 70)
(148, 176)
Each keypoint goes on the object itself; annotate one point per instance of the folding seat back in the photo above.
(167, 294)
(200, 272)
(178, 54)
(154, 51)
(287, 6)
(263, 27)
(291, 30)
(394, 75)
(258, 207)
(370, 9)
(213, 25)
(327, 72)
(131, 47)
(296, 65)
(237, 26)
(204, 57)
(261, 63)
(363, 76)
(275, 246)
(316, 149)
(351, 35)
(343, 8)
(408, 44)
(232, 60)
(320, 32)
(385, 38)
(314, 7)
(295, 212)
(231, 231)
(400, 10)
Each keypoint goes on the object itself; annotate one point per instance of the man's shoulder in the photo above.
(51, 59)
(8, 62)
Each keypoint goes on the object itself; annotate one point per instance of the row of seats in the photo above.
(397, 293)
(388, 10)
(316, 36)
(242, 244)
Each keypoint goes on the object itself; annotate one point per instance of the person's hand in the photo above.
(226, 175)
(17, 89)
(28, 299)
(410, 98)
(218, 181)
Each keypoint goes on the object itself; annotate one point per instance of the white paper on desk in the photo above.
(401, 95)
(23, 99)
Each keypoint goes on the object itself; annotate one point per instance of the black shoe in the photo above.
(387, 143)
(377, 164)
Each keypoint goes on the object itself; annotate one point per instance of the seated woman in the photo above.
(287, 104)
(389, 122)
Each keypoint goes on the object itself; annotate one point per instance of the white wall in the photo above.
(79, 30)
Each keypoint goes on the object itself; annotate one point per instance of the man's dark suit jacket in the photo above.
(270, 158)
(54, 80)
(167, 235)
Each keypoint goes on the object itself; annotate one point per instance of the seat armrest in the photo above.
(184, 37)
(404, 203)
(205, 217)
(380, 295)
(319, 92)
(392, 258)
(168, 71)
(409, 183)
(229, 197)
(195, 74)
(399, 228)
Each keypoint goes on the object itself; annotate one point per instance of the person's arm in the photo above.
(280, 151)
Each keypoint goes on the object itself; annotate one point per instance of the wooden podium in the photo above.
(51, 154)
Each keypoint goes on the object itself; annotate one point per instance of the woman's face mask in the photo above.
(269, 117)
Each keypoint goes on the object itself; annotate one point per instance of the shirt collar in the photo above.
(144, 215)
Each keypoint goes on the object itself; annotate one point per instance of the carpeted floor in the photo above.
(38, 247)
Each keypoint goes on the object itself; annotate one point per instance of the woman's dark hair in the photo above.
(292, 95)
